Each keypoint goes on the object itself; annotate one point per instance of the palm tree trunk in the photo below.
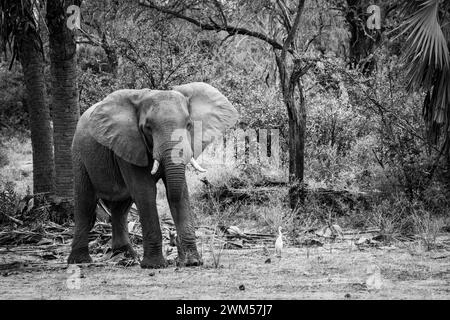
(64, 100)
(41, 133)
(446, 173)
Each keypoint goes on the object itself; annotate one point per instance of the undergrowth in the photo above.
(395, 215)
(258, 207)
(8, 201)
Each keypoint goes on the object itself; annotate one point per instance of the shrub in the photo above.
(8, 200)
(3, 157)
(13, 111)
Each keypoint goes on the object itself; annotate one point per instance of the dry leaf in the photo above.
(233, 230)
(30, 205)
(362, 240)
(374, 281)
(324, 232)
(44, 241)
(338, 230)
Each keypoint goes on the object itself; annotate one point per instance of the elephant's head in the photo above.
(145, 125)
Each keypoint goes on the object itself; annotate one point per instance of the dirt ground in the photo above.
(334, 271)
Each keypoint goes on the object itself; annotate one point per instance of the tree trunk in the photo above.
(111, 54)
(297, 123)
(41, 133)
(64, 100)
(446, 173)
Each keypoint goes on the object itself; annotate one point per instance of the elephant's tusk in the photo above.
(155, 166)
(196, 165)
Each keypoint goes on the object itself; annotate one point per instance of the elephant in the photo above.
(124, 144)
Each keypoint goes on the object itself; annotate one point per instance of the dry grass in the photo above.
(321, 274)
(18, 166)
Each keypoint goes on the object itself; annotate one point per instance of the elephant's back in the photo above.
(83, 122)
(83, 143)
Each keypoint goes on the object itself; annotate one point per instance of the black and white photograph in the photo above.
(231, 151)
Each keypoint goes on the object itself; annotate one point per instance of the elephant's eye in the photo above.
(189, 125)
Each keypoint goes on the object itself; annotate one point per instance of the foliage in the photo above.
(13, 111)
(428, 59)
(3, 158)
(94, 87)
(17, 20)
(364, 132)
(8, 200)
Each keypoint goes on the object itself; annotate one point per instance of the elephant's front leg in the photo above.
(184, 222)
(151, 232)
(142, 187)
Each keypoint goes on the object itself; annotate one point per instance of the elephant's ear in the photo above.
(114, 124)
(209, 109)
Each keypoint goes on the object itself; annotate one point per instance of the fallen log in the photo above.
(225, 194)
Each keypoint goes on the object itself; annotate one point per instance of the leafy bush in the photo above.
(367, 132)
(8, 200)
(13, 111)
(3, 156)
(94, 87)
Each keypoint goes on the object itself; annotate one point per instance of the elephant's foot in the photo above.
(156, 262)
(127, 250)
(189, 259)
(80, 255)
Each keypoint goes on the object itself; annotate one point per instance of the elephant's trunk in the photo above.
(175, 177)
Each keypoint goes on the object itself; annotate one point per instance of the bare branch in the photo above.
(293, 31)
(222, 15)
(91, 38)
(287, 20)
(231, 30)
(318, 34)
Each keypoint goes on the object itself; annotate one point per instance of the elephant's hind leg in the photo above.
(84, 215)
(120, 238)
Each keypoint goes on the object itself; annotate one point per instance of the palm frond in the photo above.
(428, 62)
(17, 18)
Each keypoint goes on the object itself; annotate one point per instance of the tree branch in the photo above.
(222, 15)
(293, 31)
(298, 72)
(91, 38)
(287, 20)
(231, 30)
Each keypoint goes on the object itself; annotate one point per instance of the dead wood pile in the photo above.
(238, 191)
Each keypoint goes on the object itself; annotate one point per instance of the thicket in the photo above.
(365, 133)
